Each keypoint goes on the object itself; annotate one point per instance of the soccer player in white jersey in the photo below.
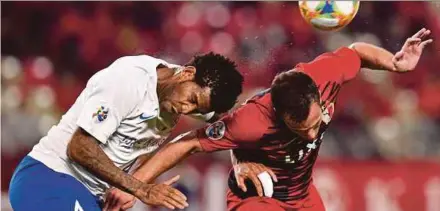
(127, 110)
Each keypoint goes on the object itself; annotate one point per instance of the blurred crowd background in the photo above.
(50, 49)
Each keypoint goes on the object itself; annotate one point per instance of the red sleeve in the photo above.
(341, 65)
(241, 129)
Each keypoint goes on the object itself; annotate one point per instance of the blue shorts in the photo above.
(35, 187)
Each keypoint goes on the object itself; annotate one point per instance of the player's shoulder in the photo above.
(248, 123)
(341, 56)
(136, 67)
(260, 101)
(256, 111)
(337, 65)
(142, 63)
(345, 51)
(340, 52)
(131, 76)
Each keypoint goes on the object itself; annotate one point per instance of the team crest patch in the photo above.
(101, 114)
(216, 130)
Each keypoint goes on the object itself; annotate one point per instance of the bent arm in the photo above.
(225, 134)
(374, 57)
(169, 156)
(84, 150)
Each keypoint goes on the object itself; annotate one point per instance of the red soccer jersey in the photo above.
(255, 135)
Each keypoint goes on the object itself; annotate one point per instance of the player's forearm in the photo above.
(374, 57)
(85, 151)
(166, 158)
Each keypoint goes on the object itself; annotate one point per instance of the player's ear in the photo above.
(188, 74)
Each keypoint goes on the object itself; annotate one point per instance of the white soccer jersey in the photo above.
(120, 108)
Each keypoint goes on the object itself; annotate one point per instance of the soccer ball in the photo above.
(328, 15)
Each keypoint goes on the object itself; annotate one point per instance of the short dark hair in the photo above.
(221, 75)
(293, 92)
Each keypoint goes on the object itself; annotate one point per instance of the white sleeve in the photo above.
(110, 99)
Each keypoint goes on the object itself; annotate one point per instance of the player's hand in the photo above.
(407, 58)
(117, 200)
(251, 171)
(162, 195)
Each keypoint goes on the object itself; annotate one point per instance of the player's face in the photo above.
(186, 96)
(309, 128)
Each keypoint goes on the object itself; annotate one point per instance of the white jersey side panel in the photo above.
(120, 108)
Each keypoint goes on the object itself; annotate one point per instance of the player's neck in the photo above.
(164, 81)
(164, 73)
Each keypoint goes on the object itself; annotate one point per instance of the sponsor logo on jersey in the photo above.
(144, 116)
(101, 114)
(216, 130)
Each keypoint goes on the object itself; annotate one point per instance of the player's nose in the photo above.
(188, 108)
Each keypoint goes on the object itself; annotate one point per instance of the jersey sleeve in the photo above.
(351, 63)
(241, 129)
(109, 99)
(340, 65)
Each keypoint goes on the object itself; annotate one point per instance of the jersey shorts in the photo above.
(35, 187)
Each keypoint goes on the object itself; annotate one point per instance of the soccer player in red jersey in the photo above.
(279, 131)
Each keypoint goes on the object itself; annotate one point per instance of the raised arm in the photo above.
(374, 57)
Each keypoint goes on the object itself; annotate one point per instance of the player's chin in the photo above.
(307, 137)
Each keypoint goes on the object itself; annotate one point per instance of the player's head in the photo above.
(296, 100)
(209, 82)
